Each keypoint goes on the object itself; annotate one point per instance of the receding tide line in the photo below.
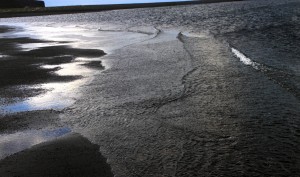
(244, 59)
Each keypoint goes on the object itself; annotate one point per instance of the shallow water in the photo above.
(62, 95)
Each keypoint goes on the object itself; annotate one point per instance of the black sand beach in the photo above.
(192, 90)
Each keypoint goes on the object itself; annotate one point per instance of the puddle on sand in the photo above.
(58, 95)
(3, 56)
(32, 46)
(63, 94)
(82, 37)
(13, 143)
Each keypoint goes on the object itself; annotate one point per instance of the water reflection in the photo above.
(105, 38)
(63, 94)
(3, 56)
(32, 46)
(59, 95)
(12, 143)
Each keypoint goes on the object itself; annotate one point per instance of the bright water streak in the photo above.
(244, 59)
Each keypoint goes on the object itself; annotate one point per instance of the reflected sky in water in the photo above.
(93, 2)
(59, 95)
(2, 56)
(12, 143)
(93, 36)
(31, 46)
(63, 94)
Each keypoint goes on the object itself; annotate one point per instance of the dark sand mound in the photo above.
(71, 155)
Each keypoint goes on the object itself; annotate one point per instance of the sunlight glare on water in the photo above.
(58, 95)
(63, 94)
(12, 143)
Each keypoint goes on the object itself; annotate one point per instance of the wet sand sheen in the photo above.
(42, 72)
(189, 107)
(30, 68)
(39, 66)
(71, 155)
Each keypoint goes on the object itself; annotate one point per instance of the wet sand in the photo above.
(71, 155)
(20, 67)
(19, 122)
(22, 72)
(181, 104)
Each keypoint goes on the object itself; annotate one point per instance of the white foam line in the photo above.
(244, 59)
(3, 56)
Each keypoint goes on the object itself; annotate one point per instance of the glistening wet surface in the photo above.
(189, 105)
(12, 143)
(44, 71)
(56, 95)
(276, 50)
(58, 64)
(22, 70)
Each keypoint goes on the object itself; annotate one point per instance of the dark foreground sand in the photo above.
(71, 155)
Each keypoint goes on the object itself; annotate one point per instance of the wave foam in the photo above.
(244, 59)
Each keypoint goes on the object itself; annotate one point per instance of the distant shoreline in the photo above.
(8, 13)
